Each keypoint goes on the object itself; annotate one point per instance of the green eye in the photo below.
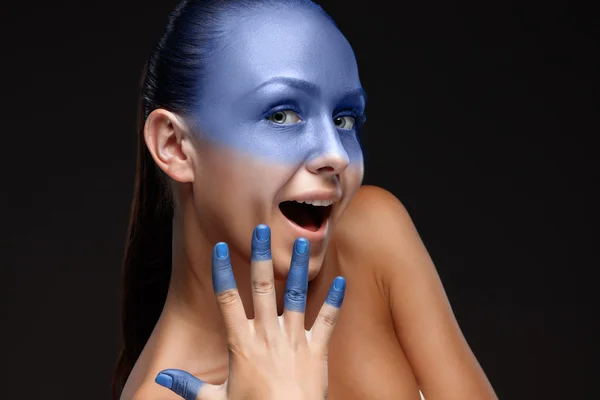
(345, 122)
(284, 117)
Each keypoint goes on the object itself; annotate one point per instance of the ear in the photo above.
(168, 140)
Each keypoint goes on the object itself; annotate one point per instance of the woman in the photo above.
(250, 115)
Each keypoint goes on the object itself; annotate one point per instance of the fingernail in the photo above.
(262, 232)
(164, 380)
(339, 283)
(222, 250)
(182, 383)
(336, 294)
(301, 245)
(261, 244)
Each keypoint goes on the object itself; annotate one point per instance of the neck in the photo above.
(190, 333)
(191, 323)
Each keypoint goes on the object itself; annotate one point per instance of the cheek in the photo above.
(353, 150)
(234, 193)
(241, 186)
(356, 167)
(241, 171)
(351, 180)
(258, 178)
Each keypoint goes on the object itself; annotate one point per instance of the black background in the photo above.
(478, 120)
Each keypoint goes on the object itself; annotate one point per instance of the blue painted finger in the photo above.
(222, 274)
(297, 281)
(335, 297)
(261, 243)
(180, 382)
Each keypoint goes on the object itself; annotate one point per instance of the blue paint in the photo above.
(180, 382)
(222, 274)
(261, 243)
(288, 92)
(297, 281)
(301, 246)
(222, 250)
(335, 297)
(164, 380)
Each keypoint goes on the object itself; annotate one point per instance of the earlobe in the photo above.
(166, 137)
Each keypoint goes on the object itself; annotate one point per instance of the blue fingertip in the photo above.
(164, 380)
(222, 250)
(222, 274)
(180, 382)
(262, 232)
(301, 246)
(261, 243)
(335, 297)
(297, 281)
(339, 283)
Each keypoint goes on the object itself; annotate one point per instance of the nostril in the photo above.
(325, 169)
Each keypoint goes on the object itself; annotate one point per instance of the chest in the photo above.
(366, 360)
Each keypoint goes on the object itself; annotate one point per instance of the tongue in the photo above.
(301, 214)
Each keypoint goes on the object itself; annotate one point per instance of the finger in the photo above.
(329, 313)
(263, 282)
(294, 299)
(228, 298)
(188, 386)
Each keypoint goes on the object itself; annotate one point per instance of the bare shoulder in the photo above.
(373, 206)
(366, 313)
(375, 226)
(378, 237)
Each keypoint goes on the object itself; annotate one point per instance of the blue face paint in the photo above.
(283, 86)
(261, 243)
(297, 280)
(335, 297)
(222, 274)
(180, 382)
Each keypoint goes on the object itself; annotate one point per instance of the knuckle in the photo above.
(270, 341)
(227, 298)
(262, 252)
(235, 347)
(263, 286)
(238, 342)
(296, 295)
(328, 319)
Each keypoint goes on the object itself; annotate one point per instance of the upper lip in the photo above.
(317, 195)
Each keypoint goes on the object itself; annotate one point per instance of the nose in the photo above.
(331, 158)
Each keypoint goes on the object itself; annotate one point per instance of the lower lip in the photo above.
(311, 236)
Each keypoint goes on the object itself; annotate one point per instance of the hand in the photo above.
(270, 357)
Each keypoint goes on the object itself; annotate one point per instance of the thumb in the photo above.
(188, 386)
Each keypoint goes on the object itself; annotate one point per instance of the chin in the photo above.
(317, 255)
(314, 265)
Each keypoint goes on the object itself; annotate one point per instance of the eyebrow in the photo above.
(301, 84)
(360, 92)
(308, 87)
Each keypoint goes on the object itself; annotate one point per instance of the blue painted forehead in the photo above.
(286, 59)
(262, 44)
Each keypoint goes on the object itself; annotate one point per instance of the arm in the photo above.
(426, 328)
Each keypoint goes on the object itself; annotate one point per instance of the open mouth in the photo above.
(308, 216)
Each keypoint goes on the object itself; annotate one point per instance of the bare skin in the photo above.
(396, 330)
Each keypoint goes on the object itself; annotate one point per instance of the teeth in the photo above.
(322, 203)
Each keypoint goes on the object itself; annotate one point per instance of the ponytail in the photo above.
(147, 264)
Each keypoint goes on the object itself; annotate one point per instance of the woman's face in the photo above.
(279, 106)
